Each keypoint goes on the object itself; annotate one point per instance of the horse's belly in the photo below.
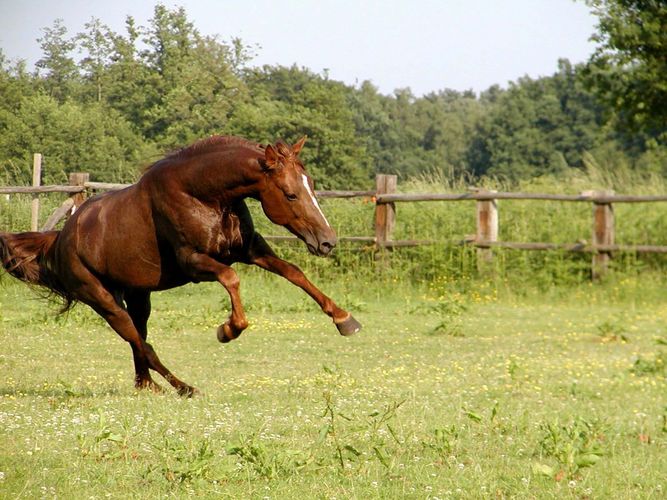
(136, 270)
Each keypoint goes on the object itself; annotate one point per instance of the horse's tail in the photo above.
(29, 257)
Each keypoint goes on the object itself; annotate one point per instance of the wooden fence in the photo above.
(385, 197)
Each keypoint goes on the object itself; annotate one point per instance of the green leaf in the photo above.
(116, 438)
(393, 434)
(543, 470)
(381, 456)
(352, 450)
(476, 417)
(587, 460)
(324, 432)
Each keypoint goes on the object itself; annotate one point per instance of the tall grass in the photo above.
(15, 210)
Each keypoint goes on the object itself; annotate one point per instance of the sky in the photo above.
(427, 45)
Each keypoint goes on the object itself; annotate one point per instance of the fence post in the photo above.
(36, 182)
(78, 179)
(385, 213)
(487, 229)
(603, 234)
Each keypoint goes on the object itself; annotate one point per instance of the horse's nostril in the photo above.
(326, 247)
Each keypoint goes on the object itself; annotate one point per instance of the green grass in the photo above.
(530, 382)
(531, 396)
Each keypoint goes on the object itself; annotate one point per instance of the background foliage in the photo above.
(110, 103)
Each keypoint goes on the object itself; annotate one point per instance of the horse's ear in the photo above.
(270, 157)
(296, 149)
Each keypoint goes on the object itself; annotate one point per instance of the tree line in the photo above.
(111, 103)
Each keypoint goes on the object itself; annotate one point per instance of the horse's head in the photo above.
(288, 198)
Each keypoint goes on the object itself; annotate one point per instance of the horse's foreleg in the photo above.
(263, 256)
(204, 267)
(237, 321)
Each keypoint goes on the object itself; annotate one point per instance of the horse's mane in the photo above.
(213, 143)
(208, 145)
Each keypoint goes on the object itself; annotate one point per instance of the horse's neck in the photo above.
(229, 178)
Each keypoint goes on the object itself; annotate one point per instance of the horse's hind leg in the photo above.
(120, 321)
(93, 293)
(139, 308)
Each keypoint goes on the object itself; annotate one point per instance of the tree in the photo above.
(538, 127)
(15, 83)
(447, 123)
(290, 102)
(195, 83)
(61, 70)
(152, 88)
(628, 68)
(97, 44)
(131, 86)
(71, 137)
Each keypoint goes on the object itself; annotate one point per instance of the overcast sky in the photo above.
(422, 44)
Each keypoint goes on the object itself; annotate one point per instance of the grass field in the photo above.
(442, 395)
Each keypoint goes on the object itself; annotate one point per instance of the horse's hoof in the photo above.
(225, 333)
(187, 391)
(148, 384)
(350, 326)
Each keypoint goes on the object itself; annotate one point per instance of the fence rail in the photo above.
(41, 189)
(385, 197)
(488, 196)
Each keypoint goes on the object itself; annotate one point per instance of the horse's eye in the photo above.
(291, 197)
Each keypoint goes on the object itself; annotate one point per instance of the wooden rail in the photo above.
(485, 196)
(40, 189)
(385, 197)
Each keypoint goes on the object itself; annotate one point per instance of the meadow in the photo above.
(528, 382)
(439, 396)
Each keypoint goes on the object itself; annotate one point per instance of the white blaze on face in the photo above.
(312, 196)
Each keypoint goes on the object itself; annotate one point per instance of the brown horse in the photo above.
(184, 221)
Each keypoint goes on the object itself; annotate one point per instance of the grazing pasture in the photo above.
(443, 394)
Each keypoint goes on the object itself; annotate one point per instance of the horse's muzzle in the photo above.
(321, 246)
(325, 247)
(322, 249)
